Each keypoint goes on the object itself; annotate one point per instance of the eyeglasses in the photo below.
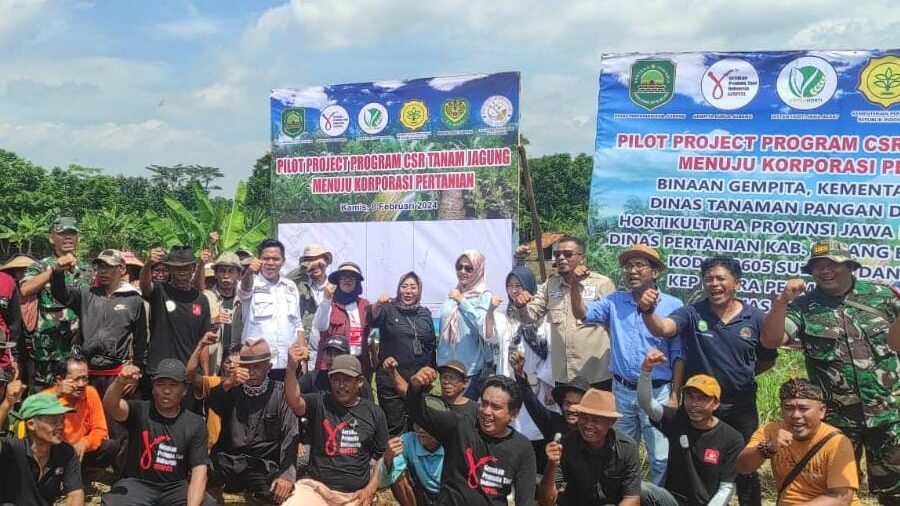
(465, 268)
(635, 267)
(567, 253)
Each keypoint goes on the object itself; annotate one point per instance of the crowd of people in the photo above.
(195, 374)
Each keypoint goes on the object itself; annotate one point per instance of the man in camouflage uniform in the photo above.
(56, 334)
(311, 276)
(843, 326)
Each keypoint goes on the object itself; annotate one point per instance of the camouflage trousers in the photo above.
(882, 447)
(44, 350)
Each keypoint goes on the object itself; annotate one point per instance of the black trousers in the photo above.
(135, 492)
(241, 473)
(744, 419)
(394, 408)
(112, 452)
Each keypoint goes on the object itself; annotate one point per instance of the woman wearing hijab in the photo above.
(344, 313)
(462, 320)
(528, 340)
(406, 334)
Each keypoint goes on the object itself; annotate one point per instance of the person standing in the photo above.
(311, 276)
(344, 313)
(56, 333)
(407, 335)
(10, 319)
(812, 461)
(576, 348)
(270, 304)
(843, 327)
(630, 341)
(42, 468)
(463, 318)
(720, 337)
(225, 306)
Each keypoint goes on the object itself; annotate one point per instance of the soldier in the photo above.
(842, 325)
(55, 336)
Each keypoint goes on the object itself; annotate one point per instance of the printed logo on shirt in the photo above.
(746, 333)
(711, 456)
(196, 310)
(157, 455)
(170, 306)
(119, 307)
(490, 479)
(341, 439)
(702, 326)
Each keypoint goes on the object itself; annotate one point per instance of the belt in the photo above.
(632, 385)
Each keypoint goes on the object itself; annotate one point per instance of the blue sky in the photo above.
(123, 84)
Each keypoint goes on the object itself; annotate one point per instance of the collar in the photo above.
(420, 451)
(743, 315)
(609, 446)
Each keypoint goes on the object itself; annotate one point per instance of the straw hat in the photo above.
(18, 262)
(599, 403)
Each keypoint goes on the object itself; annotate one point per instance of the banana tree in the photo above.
(192, 228)
(25, 230)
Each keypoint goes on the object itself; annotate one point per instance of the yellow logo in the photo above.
(413, 114)
(821, 248)
(879, 81)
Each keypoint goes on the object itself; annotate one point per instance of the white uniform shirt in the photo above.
(272, 311)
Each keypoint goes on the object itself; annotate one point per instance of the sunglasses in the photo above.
(567, 253)
(465, 268)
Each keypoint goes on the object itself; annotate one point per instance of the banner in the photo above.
(752, 155)
(400, 175)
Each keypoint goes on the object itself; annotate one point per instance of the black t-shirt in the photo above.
(727, 352)
(343, 441)
(19, 471)
(699, 460)
(602, 476)
(178, 319)
(469, 410)
(160, 449)
(398, 331)
(478, 469)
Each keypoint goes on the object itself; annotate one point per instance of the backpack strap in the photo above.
(805, 460)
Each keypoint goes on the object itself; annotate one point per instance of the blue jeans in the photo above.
(636, 424)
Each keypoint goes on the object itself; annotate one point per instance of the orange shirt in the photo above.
(213, 421)
(833, 466)
(87, 422)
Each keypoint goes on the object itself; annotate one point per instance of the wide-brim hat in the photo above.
(454, 365)
(18, 262)
(578, 384)
(179, 256)
(333, 278)
(598, 403)
(131, 259)
(830, 249)
(227, 259)
(315, 251)
(253, 352)
(643, 251)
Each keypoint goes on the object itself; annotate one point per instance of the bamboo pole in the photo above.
(532, 206)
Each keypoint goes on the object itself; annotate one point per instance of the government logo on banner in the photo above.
(652, 83)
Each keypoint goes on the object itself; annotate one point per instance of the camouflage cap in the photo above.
(830, 249)
(63, 223)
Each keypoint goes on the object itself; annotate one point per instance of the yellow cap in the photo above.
(706, 384)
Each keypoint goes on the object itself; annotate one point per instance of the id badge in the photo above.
(417, 347)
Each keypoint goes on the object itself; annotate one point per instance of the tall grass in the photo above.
(789, 365)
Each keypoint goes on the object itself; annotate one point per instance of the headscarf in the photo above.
(411, 308)
(526, 332)
(344, 298)
(475, 287)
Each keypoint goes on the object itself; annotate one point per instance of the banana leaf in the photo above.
(234, 221)
(162, 229)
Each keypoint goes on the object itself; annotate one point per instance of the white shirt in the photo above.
(272, 312)
(323, 319)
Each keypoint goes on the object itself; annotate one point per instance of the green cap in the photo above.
(831, 249)
(63, 223)
(41, 405)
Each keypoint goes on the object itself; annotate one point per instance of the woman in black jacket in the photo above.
(406, 333)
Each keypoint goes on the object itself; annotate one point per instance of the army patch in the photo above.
(746, 333)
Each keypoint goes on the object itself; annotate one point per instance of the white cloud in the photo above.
(450, 83)
(189, 28)
(20, 15)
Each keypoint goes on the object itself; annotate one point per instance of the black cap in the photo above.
(339, 343)
(171, 368)
(578, 384)
(5, 376)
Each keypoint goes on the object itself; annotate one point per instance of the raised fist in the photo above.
(329, 290)
(517, 362)
(649, 299)
(793, 289)
(206, 256)
(383, 299)
(209, 339)
(156, 256)
(653, 358)
(298, 352)
(456, 295)
(390, 364)
(394, 448)
(213, 238)
(554, 452)
(580, 273)
(254, 265)
(130, 374)
(65, 262)
(783, 439)
(495, 302)
(522, 251)
(423, 378)
(522, 299)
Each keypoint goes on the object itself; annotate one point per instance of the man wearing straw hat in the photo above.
(257, 447)
(17, 265)
(41, 468)
(311, 277)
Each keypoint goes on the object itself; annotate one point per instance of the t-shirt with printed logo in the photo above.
(178, 319)
(160, 449)
(344, 441)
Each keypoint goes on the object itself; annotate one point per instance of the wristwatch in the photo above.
(649, 310)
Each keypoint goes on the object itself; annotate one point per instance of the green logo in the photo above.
(293, 121)
(702, 326)
(652, 83)
(455, 112)
(807, 81)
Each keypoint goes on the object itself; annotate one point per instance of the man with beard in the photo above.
(179, 313)
(484, 462)
(702, 448)
(346, 434)
(271, 304)
(311, 277)
(843, 327)
(167, 460)
(576, 348)
(225, 306)
(56, 333)
(41, 468)
(629, 342)
(111, 316)
(257, 448)
(85, 426)
(812, 461)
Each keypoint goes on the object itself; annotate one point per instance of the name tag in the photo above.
(589, 292)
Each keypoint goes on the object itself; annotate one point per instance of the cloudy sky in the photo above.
(123, 84)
